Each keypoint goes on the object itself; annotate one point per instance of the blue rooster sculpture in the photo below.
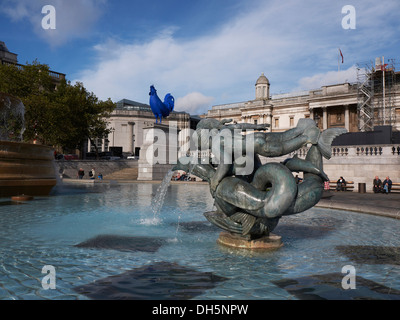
(161, 109)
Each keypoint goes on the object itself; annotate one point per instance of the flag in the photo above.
(383, 68)
(340, 51)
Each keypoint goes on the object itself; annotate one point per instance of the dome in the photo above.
(262, 79)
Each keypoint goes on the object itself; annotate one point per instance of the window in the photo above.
(276, 122)
(255, 121)
(99, 143)
(291, 121)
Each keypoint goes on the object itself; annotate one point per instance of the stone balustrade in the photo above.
(361, 163)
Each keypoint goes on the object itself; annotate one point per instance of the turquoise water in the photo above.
(46, 231)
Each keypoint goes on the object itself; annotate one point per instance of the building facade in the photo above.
(365, 109)
(128, 121)
(338, 105)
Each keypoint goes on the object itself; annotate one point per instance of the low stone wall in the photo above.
(106, 167)
(361, 164)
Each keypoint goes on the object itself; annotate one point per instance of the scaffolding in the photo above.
(376, 86)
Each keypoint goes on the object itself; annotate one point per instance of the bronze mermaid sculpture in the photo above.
(251, 203)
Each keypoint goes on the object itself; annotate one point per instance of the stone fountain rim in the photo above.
(5, 142)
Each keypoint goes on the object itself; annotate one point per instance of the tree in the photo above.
(33, 85)
(86, 116)
(65, 115)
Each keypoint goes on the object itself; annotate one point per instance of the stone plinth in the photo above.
(270, 242)
(159, 152)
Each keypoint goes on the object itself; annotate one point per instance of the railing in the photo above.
(358, 151)
(228, 106)
(55, 75)
(290, 94)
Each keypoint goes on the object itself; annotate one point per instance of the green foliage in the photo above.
(64, 116)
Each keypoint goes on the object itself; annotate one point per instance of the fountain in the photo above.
(25, 169)
(101, 249)
(94, 237)
(250, 200)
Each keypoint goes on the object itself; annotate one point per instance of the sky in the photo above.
(203, 52)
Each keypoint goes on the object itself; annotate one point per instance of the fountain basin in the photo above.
(26, 169)
(104, 243)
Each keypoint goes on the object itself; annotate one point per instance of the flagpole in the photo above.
(384, 98)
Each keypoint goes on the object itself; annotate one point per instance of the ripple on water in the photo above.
(45, 232)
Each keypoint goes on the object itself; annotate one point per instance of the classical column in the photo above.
(269, 120)
(311, 113)
(347, 117)
(89, 146)
(324, 118)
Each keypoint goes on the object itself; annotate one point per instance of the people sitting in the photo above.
(298, 179)
(341, 184)
(387, 185)
(184, 177)
(377, 185)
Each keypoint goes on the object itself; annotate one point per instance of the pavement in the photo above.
(387, 205)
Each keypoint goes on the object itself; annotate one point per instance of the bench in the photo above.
(395, 187)
(348, 187)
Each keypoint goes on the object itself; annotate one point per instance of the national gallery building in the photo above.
(369, 109)
(338, 105)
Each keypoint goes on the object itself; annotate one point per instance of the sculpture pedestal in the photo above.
(270, 242)
(159, 151)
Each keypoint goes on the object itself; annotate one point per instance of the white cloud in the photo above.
(328, 78)
(74, 18)
(194, 103)
(212, 64)
(287, 40)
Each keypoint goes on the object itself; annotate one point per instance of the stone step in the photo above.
(124, 174)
